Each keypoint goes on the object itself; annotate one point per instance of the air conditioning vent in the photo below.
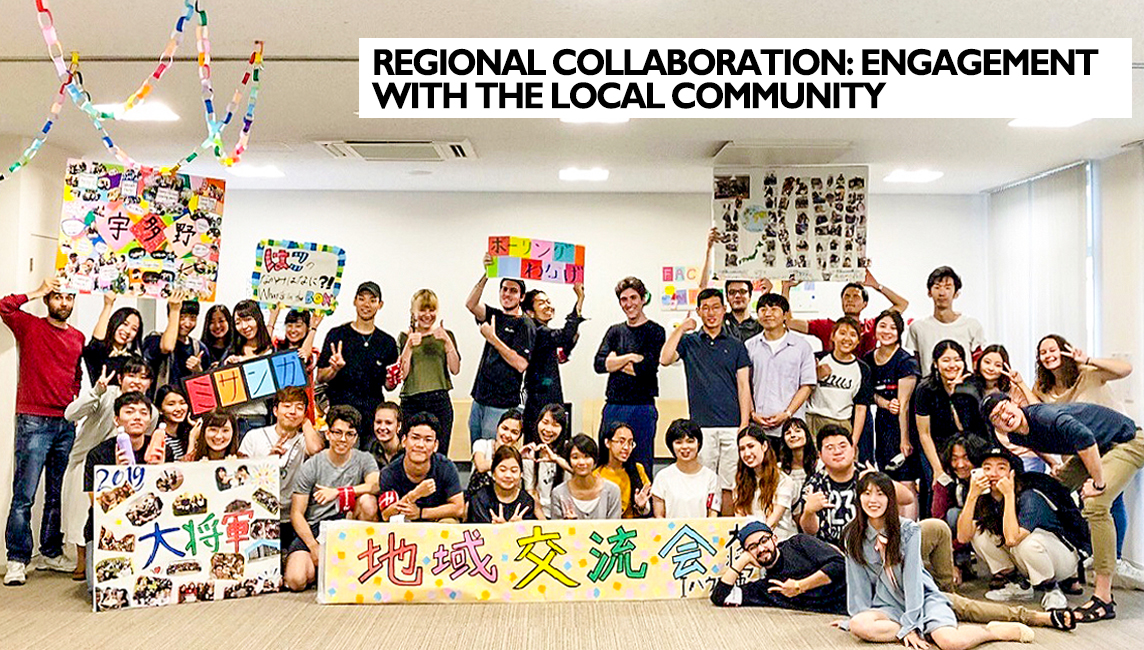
(777, 153)
(400, 150)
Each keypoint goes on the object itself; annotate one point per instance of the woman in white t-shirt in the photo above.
(761, 489)
(508, 433)
(544, 464)
(685, 489)
(585, 495)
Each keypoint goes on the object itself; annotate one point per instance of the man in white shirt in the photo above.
(943, 285)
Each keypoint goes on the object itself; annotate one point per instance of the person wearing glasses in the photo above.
(802, 573)
(424, 485)
(338, 483)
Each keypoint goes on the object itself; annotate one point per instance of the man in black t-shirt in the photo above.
(355, 357)
(425, 483)
(509, 338)
(629, 355)
(802, 572)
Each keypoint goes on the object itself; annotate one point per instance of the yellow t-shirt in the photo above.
(621, 479)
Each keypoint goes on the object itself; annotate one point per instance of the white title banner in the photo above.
(734, 78)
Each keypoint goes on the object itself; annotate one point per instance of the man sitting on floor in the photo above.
(340, 482)
(425, 482)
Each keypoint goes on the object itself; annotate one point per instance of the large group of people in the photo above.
(878, 474)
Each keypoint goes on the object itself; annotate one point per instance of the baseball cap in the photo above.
(750, 528)
(991, 402)
(369, 286)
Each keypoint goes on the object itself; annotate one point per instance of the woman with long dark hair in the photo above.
(619, 466)
(217, 438)
(798, 457)
(218, 332)
(117, 336)
(894, 374)
(993, 374)
(174, 418)
(890, 596)
(761, 488)
(947, 405)
(251, 340)
(544, 464)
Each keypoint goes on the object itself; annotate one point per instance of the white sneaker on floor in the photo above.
(1128, 576)
(1054, 599)
(16, 574)
(1011, 591)
(58, 563)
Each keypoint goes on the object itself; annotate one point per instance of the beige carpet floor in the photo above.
(52, 612)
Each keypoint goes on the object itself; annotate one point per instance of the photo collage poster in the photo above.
(797, 223)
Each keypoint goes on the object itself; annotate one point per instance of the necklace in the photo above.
(366, 339)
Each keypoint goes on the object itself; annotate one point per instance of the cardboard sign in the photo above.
(185, 532)
(622, 559)
(234, 385)
(298, 275)
(137, 232)
(799, 223)
(535, 259)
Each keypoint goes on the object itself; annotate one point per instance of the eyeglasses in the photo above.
(738, 292)
(752, 547)
(627, 444)
(341, 435)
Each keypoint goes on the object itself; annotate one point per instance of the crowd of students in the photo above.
(877, 471)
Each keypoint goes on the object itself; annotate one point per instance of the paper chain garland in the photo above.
(72, 86)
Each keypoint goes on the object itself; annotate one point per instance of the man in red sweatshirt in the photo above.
(47, 382)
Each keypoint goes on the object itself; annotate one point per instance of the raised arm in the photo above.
(669, 354)
(705, 273)
(511, 356)
(174, 311)
(100, 331)
(473, 302)
(800, 326)
(897, 303)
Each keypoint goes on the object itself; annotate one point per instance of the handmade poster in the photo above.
(298, 275)
(137, 232)
(799, 223)
(535, 259)
(237, 384)
(680, 287)
(185, 532)
(621, 559)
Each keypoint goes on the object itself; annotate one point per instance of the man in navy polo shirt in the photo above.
(1106, 451)
(718, 385)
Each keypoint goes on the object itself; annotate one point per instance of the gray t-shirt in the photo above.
(320, 471)
(924, 334)
(606, 505)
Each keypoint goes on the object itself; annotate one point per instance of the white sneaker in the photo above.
(1011, 591)
(1128, 576)
(1054, 599)
(16, 574)
(58, 563)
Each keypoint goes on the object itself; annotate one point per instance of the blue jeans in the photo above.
(43, 444)
(642, 420)
(483, 421)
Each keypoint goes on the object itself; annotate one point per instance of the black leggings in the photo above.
(439, 404)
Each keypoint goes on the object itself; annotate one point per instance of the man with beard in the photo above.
(355, 357)
(48, 380)
(802, 572)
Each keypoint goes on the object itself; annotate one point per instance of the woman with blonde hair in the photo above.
(429, 359)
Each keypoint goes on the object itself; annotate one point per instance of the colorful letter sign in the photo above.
(298, 275)
(137, 232)
(234, 385)
(622, 559)
(185, 532)
(535, 259)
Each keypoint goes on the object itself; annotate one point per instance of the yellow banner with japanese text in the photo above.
(628, 559)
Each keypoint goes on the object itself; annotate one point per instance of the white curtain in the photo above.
(1038, 245)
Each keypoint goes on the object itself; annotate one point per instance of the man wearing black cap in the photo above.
(1106, 450)
(802, 572)
(508, 344)
(355, 357)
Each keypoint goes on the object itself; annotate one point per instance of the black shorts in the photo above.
(298, 544)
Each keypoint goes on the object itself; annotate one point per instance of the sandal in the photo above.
(1095, 610)
(1063, 619)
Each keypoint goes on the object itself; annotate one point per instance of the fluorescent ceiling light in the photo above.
(595, 119)
(576, 174)
(913, 176)
(246, 170)
(1057, 122)
(149, 112)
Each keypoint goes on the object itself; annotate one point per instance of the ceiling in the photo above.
(303, 102)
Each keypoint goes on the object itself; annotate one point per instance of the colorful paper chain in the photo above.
(72, 86)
